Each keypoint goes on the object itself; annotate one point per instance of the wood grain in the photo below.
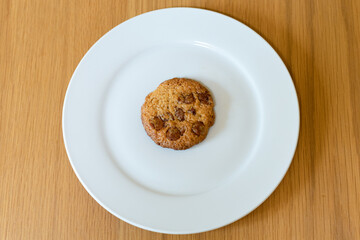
(41, 43)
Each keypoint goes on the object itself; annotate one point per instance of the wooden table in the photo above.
(41, 43)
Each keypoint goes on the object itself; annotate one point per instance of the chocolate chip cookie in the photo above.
(178, 114)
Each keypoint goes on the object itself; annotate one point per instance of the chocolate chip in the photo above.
(198, 128)
(188, 99)
(156, 123)
(192, 111)
(179, 114)
(204, 97)
(173, 134)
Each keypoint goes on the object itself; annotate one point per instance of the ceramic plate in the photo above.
(246, 153)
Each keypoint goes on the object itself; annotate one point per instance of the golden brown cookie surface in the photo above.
(178, 114)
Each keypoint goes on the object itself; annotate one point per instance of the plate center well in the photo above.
(209, 164)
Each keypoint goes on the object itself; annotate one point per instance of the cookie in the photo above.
(178, 114)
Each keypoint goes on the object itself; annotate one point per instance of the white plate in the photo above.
(220, 180)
